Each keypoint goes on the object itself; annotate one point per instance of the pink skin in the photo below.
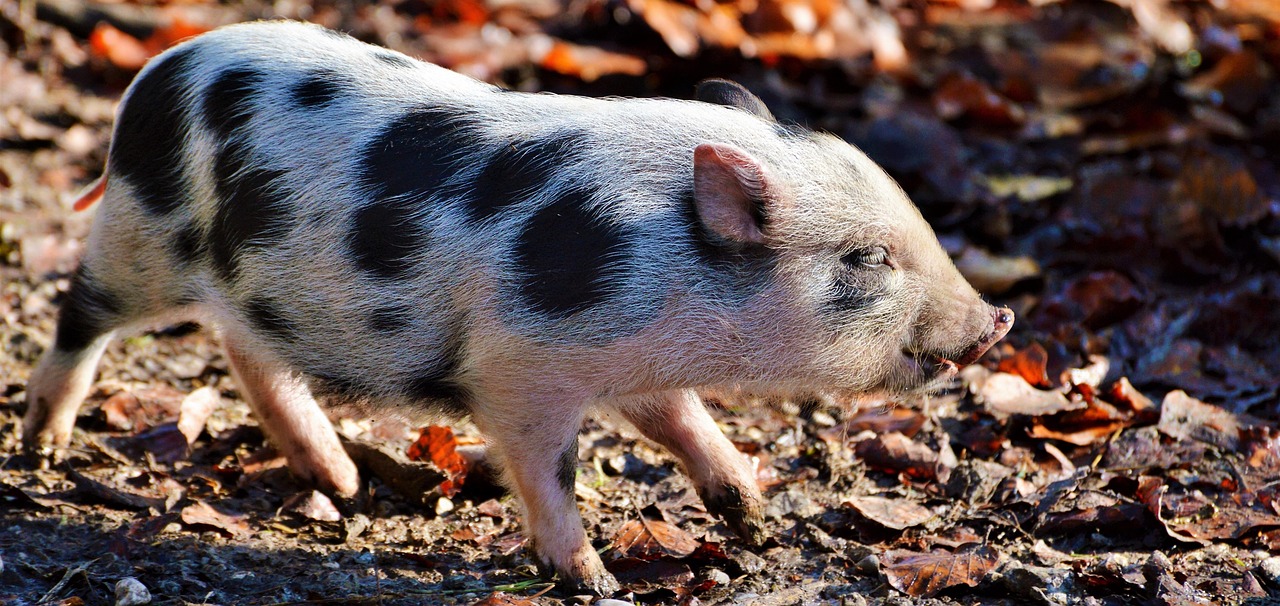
(293, 421)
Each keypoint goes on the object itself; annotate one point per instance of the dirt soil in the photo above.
(1109, 170)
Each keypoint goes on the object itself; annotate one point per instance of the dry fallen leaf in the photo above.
(896, 453)
(923, 575)
(589, 63)
(898, 514)
(1185, 418)
(312, 505)
(438, 445)
(648, 539)
(993, 274)
(1030, 363)
(1009, 394)
(202, 514)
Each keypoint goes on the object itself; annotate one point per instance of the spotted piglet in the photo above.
(366, 227)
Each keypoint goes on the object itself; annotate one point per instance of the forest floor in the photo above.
(1108, 170)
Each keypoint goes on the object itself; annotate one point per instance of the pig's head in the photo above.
(863, 296)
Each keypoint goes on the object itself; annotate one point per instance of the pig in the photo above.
(364, 227)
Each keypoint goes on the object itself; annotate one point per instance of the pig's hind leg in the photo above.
(87, 320)
(724, 477)
(291, 418)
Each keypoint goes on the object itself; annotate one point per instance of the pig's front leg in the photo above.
(536, 444)
(724, 477)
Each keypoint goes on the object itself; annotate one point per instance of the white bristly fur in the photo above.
(674, 322)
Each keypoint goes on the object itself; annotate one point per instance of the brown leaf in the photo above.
(141, 409)
(662, 572)
(1123, 392)
(195, 410)
(438, 445)
(110, 495)
(312, 505)
(649, 539)
(925, 574)
(1185, 418)
(896, 453)
(202, 514)
(412, 480)
(898, 514)
(1081, 427)
(993, 274)
(1010, 394)
(962, 95)
(880, 419)
(165, 442)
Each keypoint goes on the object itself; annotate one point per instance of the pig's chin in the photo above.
(926, 372)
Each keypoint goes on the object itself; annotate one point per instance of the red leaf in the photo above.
(438, 445)
(1030, 363)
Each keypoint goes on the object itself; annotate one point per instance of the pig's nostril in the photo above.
(1004, 317)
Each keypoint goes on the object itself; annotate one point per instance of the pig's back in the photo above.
(386, 225)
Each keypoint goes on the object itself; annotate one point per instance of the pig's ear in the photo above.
(731, 192)
(732, 94)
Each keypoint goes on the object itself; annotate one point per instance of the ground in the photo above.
(1106, 169)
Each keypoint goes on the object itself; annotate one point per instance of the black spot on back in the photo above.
(88, 312)
(390, 319)
(567, 467)
(394, 59)
(517, 171)
(417, 153)
(227, 101)
(267, 317)
(568, 256)
(384, 238)
(147, 147)
(316, 90)
(252, 210)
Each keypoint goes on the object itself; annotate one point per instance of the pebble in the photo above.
(612, 602)
(131, 592)
(717, 576)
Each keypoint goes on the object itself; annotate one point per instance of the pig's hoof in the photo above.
(741, 512)
(585, 574)
(602, 584)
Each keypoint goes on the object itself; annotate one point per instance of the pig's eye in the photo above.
(867, 257)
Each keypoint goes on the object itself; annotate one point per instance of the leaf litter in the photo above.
(1107, 169)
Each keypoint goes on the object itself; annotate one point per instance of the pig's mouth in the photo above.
(934, 366)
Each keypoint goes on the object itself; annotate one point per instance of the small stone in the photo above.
(443, 506)
(717, 576)
(869, 565)
(612, 602)
(131, 592)
(750, 563)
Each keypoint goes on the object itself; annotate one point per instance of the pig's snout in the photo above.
(1002, 321)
